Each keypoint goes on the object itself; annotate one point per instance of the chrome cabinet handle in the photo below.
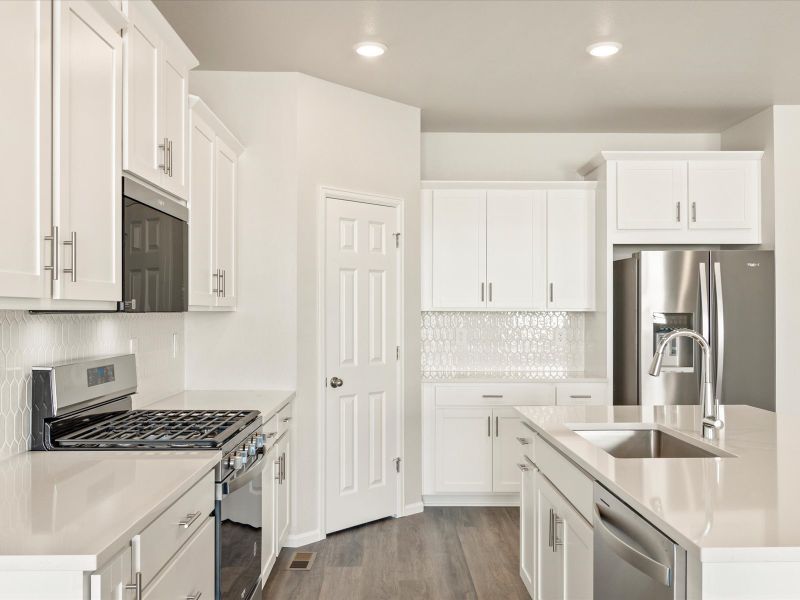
(720, 318)
(678, 212)
(189, 519)
(287, 419)
(550, 538)
(277, 463)
(523, 468)
(580, 396)
(694, 212)
(556, 540)
(170, 158)
(73, 244)
(491, 395)
(224, 284)
(165, 148)
(523, 441)
(551, 292)
(53, 237)
(136, 586)
(489, 426)
(336, 382)
(215, 283)
(194, 596)
(271, 434)
(497, 427)
(490, 291)
(483, 289)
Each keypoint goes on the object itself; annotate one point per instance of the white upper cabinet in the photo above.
(87, 119)
(459, 248)
(157, 65)
(723, 194)
(213, 174)
(516, 239)
(703, 197)
(570, 250)
(651, 194)
(25, 148)
(524, 247)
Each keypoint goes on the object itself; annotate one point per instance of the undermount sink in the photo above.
(643, 443)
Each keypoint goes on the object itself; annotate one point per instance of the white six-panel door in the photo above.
(25, 202)
(87, 102)
(361, 338)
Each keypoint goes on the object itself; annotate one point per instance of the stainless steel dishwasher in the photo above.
(632, 559)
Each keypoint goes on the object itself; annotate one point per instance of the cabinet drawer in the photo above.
(577, 394)
(574, 484)
(164, 536)
(500, 394)
(191, 573)
(284, 419)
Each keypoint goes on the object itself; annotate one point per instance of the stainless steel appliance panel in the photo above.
(670, 286)
(742, 296)
(632, 559)
(626, 331)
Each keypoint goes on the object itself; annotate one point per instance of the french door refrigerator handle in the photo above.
(720, 325)
(705, 319)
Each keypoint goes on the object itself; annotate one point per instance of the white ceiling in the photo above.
(521, 66)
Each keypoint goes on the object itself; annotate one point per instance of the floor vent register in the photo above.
(302, 561)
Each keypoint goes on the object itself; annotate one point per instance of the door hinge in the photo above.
(397, 353)
(396, 240)
(397, 463)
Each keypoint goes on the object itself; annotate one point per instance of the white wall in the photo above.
(538, 156)
(256, 346)
(776, 130)
(358, 142)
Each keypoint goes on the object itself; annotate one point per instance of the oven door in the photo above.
(155, 250)
(239, 517)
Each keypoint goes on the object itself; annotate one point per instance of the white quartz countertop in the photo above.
(73, 511)
(510, 377)
(268, 402)
(744, 508)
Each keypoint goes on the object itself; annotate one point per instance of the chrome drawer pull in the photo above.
(195, 596)
(53, 237)
(577, 396)
(492, 396)
(523, 441)
(189, 519)
(523, 468)
(73, 244)
(287, 419)
(136, 586)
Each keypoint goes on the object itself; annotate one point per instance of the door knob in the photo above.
(336, 382)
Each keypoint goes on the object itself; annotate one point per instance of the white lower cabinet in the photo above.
(464, 449)
(191, 573)
(276, 489)
(269, 547)
(109, 582)
(505, 450)
(282, 492)
(556, 541)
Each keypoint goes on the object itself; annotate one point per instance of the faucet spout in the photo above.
(711, 422)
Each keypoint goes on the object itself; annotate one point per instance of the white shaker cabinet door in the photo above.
(109, 582)
(505, 453)
(651, 194)
(549, 582)
(143, 145)
(269, 485)
(283, 501)
(516, 244)
(225, 170)
(25, 147)
(202, 253)
(459, 249)
(175, 81)
(723, 194)
(463, 450)
(578, 547)
(87, 98)
(570, 249)
(527, 526)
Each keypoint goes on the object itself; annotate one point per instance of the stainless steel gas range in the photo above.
(87, 406)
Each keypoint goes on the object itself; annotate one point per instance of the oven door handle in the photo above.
(228, 487)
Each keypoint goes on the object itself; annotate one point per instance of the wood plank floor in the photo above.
(442, 553)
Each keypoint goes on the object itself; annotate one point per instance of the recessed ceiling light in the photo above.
(603, 49)
(370, 49)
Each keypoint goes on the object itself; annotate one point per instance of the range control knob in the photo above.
(243, 455)
(238, 462)
(260, 440)
(251, 448)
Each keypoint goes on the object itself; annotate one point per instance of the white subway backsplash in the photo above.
(28, 340)
(502, 341)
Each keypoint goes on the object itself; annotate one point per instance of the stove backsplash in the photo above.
(28, 340)
(502, 341)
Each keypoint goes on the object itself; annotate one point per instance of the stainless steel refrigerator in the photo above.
(726, 295)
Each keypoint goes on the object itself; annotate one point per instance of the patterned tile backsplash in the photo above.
(28, 340)
(502, 341)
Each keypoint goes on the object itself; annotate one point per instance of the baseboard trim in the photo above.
(471, 500)
(303, 539)
(413, 509)
(267, 570)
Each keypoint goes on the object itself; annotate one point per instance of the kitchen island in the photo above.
(736, 514)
